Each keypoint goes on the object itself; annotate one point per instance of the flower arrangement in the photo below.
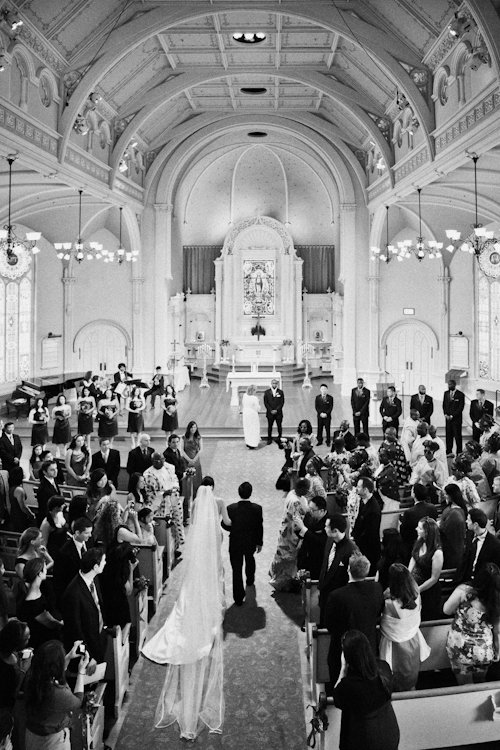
(90, 703)
(141, 584)
(258, 330)
(287, 342)
(190, 471)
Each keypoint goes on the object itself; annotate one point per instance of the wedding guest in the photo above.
(136, 490)
(31, 547)
(54, 528)
(366, 530)
(39, 417)
(61, 414)
(335, 461)
(398, 461)
(146, 522)
(99, 487)
(461, 471)
(426, 565)
(34, 609)
(478, 408)
(139, 458)
(284, 564)
(67, 563)
(172, 455)
(135, 405)
(11, 448)
(77, 461)
(48, 487)
(117, 583)
(346, 435)
(311, 529)
(452, 526)
(304, 429)
(316, 484)
(14, 637)
(36, 462)
(107, 458)
(410, 518)
(20, 516)
(393, 551)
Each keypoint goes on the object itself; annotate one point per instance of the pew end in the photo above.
(117, 661)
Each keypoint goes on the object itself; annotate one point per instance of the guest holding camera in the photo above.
(117, 583)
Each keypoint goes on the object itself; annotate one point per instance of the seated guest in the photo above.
(398, 461)
(67, 563)
(54, 527)
(136, 490)
(452, 526)
(139, 459)
(99, 487)
(393, 551)
(461, 470)
(347, 436)
(20, 516)
(14, 637)
(48, 488)
(338, 550)
(34, 609)
(426, 565)
(402, 645)
(107, 458)
(481, 547)
(117, 583)
(358, 603)
(146, 524)
(311, 529)
(410, 518)
(366, 531)
(111, 525)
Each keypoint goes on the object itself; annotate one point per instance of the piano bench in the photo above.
(18, 404)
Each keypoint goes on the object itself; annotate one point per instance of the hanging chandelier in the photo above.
(10, 243)
(121, 254)
(390, 251)
(420, 249)
(79, 250)
(480, 240)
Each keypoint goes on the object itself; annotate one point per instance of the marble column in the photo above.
(218, 308)
(444, 337)
(374, 326)
(348, 279)
(298, 309)
(137, 361)
(68, 331)
(162, 260)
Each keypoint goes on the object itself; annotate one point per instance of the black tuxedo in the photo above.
(335, 576)
(409, 523)
(66, 567)
(274, 403)
(453, 406)
(324, 406)
(81, 618)
(425, 409)
(9, 451)
(177, 461)
(490, 552)
(361, 404)
(303, 462)
(111, 466)
(137, 462)
(366, 531)
(356, 606)
(349, 439)
(245, 535)
(312, 549)
(45, 491)
(476, 413)
(391, 410)
(157, 389)
(117, 379)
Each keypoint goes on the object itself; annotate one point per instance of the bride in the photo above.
(190, 641)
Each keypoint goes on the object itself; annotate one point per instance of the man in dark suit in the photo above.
(360, 402)
(311, 529)
(366, 530)
(10, 448)
(453, 406)
(307, 452)
(356, 606)
(346, 435)
(173, 456)
(324, 406)
(390, 409)
(157, 387)
(245, 538)
(274, 400)
(47, 488)
(81, 607)
(338, 550)
(108, 459)
(120, 378)
(481, 547)
(423, 404)
(139, 459)
(67, 563)
(479, 407)
(411, 516)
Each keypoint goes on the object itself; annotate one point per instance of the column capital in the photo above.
(444, 279)
(373, 279)
(163, 207)
(68, 279)
(348, 207)
(137, 280)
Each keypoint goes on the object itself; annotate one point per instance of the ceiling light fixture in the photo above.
(257, 134)
(121, 253)
(390, 251)
(249, 37)
(10, 244)
(78, 250)
(253, 90)
(11, 19)
(420, 249)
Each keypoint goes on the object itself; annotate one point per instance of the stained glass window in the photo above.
(488, 328)
(15, 328)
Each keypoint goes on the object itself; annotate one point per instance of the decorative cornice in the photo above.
(135, 191)
(445, 45)
(468, 119)
(348, 207)
(39, 46)
(87, 165)
(381, 186)
(25, 129)
(410, 165)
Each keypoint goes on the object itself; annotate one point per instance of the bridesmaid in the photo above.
(62, 430)
(191, 448)
(170, 419)
(86, 407)
(108, 416)
(135, 405)
(39, 417)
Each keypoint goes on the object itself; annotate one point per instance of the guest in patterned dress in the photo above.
(191, 448)
(284, 565)
(398, 461)
(316, 484)
(335, 461)
(473, 640)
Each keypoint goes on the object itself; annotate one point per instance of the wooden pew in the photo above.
(138, 604)
(151, 566)
(9, 543)
(117, 661)
(87, 732)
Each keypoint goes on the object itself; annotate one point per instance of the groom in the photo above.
(245, 538)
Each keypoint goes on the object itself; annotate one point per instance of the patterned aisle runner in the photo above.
(262, 674)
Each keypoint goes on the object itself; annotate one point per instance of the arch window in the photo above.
(15, 328)
(488, 328)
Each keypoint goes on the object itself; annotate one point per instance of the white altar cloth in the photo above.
(237, 380)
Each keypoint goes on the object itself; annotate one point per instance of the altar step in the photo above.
(290, 373)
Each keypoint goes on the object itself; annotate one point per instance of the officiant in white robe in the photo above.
(250, 411)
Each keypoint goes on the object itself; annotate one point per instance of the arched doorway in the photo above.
(409, 351)
(100, 346)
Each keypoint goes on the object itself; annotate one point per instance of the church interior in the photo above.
(229, 189)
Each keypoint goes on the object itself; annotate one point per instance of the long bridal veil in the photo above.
(190, 641)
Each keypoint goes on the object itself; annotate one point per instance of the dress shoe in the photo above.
(320, 442)
(239, 602)
(250, 584)
(269, 442)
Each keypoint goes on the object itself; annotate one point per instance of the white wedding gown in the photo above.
(250, 407)
(190, 641)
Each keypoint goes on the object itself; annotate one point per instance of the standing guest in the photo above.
(172, 455)
(162, 490)
(391, 409)
(358, 603)
(410, 518)
(135, 405)
(423, 404)
(78, 508)
(338, 550)
(426, 565)
(107, 458)
(14, 637)
(77, 461)
(474, 637)
(363, 694)
(139, 458)
(306, 453)
(453, 406)
(39, 418)
(461, 471)
(452, 526)
(110, 525)
(11, 448)
(402, 645)
(360, 403)
(54, 528)
(386, 479)
(246, 534)
(481, 547)
(31, 547)
(409, 432)
(274, 400)
(363, 442)
(67, 563)
(288, 476)
(283, 568)
(490, 458)
(336, 461)
(311, 529)
(117, 583)
(316, 484)
(87, 410)
(157, 387)
(441, 452)
(479, 407)
(393, 551)
(49, 456)
(120, 378)
(473, 452)
(429, 471)
(366, 531)
(191, 448)
(346, 435)
(303, 430)
(417, 448)
(136, 490)
(146, 523)
(20, 516)
(98, 488)
(170, 420)
(399, 460)
(34, 609)
(107, 413)
(36, 462)
(324, 407)
(47, 488)
(250, 407)
(50, 704)
(61, 414)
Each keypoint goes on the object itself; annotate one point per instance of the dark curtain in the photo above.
(318, 271)
(199, 269)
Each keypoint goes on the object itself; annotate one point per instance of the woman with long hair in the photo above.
(393, 551)
(191, 448)
(111, 525)
(30, 547)
(116, 581)
(14, 637)
(77, 461)
(170, 420)
(34, 609)
(474, 637)
(87, 410)
(135, 405)
(61, 414)
(50, 704)
(36, 462)
(473, 451)
(490, 458)
(39, 419)
(363, 693)
(98, 488)
(402, 645)
(136, 491)
(250, 408)
(426, 565)
(452, 526)
(20, 516)
(284, 564)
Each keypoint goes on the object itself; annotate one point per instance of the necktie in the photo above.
(331, 555)
(422, 399)
(145, 451)
(105, 457)
(93, 591)
(83, 549)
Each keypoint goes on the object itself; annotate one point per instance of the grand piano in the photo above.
(47, 388)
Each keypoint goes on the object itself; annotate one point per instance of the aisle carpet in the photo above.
(262, 674)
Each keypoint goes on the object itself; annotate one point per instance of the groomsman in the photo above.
(360, 402)
(422, 403)
(391, 409)
(453, 406)
(324, 406)
(479, 407)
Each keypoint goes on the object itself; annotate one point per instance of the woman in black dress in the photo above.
(363, 693)
(108, 416)
(39, 418)
(86, 412)
(61, 414)
(34, 610)
(170, 421)
(20, 516)
(36, 462)
(116, 582)
(426, 565)
(135, 405)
